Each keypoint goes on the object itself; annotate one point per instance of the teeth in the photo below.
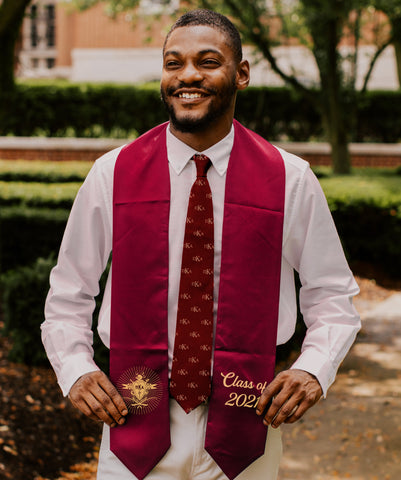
(190, 95)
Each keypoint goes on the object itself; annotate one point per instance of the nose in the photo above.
(190, 73)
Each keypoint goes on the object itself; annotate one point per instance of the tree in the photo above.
(322, 25)
(392, 9)
(11, 16)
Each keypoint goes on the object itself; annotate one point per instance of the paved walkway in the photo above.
(356, 432)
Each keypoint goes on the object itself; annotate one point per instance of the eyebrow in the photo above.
(201, 52)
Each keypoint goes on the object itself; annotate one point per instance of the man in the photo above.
(268, 216)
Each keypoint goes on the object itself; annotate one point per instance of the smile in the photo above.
(190, 95)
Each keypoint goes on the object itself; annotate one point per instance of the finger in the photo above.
(276, 406)
(89, 396)
(91, 407)
(105, 410)
(287, 410)
(119, 405)
(99, 413)
(307, 402)
(83, 407)
(266, 398)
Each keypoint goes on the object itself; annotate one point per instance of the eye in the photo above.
(171, 64)
(210, 63)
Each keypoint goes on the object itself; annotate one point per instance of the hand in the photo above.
(95, 396)
(291, 394)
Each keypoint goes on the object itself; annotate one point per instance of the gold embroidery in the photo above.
(141, 389)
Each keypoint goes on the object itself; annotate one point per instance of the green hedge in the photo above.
(29, 233)
(370, 234)
(24, 292)
(378, 115)
(82, 110)
(54, 195)
(366, 208)
(23, 296)
(43, 171)
(90, 110)
(278, 113)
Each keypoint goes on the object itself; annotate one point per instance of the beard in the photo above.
(221, 103)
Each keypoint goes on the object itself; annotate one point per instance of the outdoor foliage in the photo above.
(29, 233)
(367, 212)
(82, 110)
(54, 195)
(43, 172)
(122, 111)
(24, 292)
(365, 206)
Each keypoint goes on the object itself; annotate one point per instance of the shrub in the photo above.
(24, 292)
(93, 110)
(279, 114)
(366, 208)
(43, 172)
(82, 110)
(29, 233)
(54, 195)
(376, 113)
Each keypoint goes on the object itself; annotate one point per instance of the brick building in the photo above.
(59, 41)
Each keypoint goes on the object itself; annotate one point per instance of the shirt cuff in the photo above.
(317, 364)
(73, 370)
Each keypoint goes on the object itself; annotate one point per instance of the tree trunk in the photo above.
(337, 118)
(339, 142)
(396, 25)
(11, 17)
(397, 50)
(7, 55)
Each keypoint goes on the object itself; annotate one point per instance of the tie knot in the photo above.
(202, 163)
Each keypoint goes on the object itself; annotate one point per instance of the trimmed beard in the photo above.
(197, 125)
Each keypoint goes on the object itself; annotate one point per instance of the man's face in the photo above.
(198, 82)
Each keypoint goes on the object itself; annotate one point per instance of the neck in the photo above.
(201, 141)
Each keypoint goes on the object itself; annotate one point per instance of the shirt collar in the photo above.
(179, 153)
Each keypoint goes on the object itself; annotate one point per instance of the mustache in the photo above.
(198, 85)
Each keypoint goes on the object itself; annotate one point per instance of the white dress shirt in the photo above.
(310, 245)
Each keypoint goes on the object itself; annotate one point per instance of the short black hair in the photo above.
(211, 19)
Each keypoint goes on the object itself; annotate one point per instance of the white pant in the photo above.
(187, 459)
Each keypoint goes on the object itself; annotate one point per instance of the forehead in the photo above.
(197, 38)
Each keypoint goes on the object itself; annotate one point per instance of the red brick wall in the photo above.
(56, 155)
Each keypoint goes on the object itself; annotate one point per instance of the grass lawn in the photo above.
(377, 185)
(25, 170)
(36, 183)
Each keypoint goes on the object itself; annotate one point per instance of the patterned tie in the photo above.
(190, 376)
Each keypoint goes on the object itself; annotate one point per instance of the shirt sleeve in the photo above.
(313, 249)
(74, 281)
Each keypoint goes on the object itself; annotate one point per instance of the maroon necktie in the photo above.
(191, 370)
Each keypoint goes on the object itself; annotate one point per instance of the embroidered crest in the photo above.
(141, 389)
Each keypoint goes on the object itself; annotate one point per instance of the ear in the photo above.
(243, 75)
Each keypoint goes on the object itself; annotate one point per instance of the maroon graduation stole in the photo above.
(245, 343)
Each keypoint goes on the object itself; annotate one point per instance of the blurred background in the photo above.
(80, 77)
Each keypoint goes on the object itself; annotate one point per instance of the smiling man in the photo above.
(206, 222)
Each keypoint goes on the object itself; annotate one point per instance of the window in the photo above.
(34, 36)
(50, 62)
(50, 18)
(152, 7)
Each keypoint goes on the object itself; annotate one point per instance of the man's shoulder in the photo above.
(293, 163)
(106, 163)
